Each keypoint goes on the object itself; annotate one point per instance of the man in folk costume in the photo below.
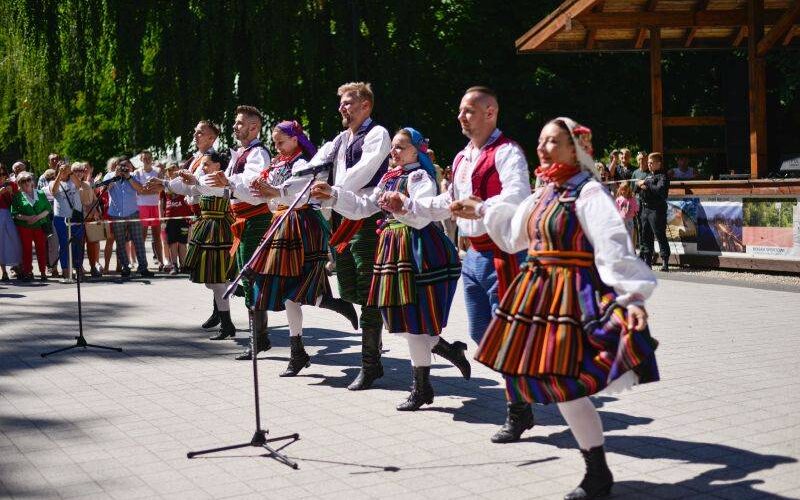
(251, 211)
(491, 168)
(360, 155)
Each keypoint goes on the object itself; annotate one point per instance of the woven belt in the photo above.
(560, 258)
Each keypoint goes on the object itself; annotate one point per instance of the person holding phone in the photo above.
(70, 193)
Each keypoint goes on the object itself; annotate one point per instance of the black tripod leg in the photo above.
(118, 349)
(214, 450)
(273, 453)
(45, 354)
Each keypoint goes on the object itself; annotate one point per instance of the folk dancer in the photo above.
(416, 265)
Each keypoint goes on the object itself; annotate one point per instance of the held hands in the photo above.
(187, 177)
(637, 318)
(394, 202)
(467, 208)
(262, 188)
(218, 179)
(321, 191)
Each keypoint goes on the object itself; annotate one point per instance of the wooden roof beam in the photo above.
(740, 36)
(553, 23)
(591, 34)
(640, 37)
(701, 6)
(788, 38)
(779, 29)
(706, 18)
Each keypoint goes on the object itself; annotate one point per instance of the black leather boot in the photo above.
(454, 353)
(298, 357)
(598, 480)
(421, 390)
(518, 420)
(227, 329)
(212, 320)
(260, 336)
(342, 307)
(371, 368)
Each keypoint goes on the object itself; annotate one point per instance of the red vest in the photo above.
(485, 178)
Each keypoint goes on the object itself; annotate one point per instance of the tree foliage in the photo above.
(94, 78)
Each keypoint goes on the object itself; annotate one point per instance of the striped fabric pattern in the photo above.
(208, 254)
(559, 334)
(292, 266)
(253, 230)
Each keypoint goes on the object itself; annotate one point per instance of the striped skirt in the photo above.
(292, 267)
(559, 334)
(414, 278)
(209, 252)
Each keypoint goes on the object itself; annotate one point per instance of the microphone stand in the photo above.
(80, 339)
(259, 439)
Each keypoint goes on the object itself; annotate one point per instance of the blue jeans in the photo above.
(77, 243)
(480, 290)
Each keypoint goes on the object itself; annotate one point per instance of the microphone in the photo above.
(314, 170)
(108, 181)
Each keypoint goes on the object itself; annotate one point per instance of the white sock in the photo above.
(419, 348)
(223, 304)
(294, 314)
(583, 421)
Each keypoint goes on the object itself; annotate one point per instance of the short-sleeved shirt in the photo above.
(175, 205)
(148, 200)
(65, 199)
(121, 197)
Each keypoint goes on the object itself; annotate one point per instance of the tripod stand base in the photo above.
(259, 440)
(81, 342)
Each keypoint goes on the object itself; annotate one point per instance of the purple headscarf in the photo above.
(293, 129)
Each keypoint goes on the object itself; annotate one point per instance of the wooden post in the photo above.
(757, 94)
(656, 91)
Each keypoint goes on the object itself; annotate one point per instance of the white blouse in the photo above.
(616, 261)
(353, 206)
(202, 188)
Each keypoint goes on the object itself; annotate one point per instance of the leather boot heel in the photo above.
(421, 390)
(597, 481)
(298, 357)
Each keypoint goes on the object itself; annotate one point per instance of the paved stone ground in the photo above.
(723, 423)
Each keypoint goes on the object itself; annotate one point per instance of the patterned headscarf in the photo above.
(582, 137)
(421, 144)
(294, 129)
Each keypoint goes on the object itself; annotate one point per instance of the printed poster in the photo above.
(719, 227)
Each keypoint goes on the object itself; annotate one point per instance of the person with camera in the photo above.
(31, 212)
(653, 193)
(70, 192)
(123, 211)
(10, 249)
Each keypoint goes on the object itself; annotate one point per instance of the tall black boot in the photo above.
(260, 336)
(518, 420)
(454, 353)
(371, 368)
(212, 320)
(227, 329)
(298, 357)
(342, 307)
(597, 481)
(421, 390)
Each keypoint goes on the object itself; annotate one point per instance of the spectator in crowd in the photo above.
(45, 179)
(17, 168)
(123, 211)
(654, 190)
(31, 212)
(639, 174)
(102, 192)
(95, 230)
(613, 161)
(148, 201)
(623, 169)
(683, 172)
(10, 249)
(605, 175)
(627, 206)
(70, 193)
(641, 160)
(177, 230)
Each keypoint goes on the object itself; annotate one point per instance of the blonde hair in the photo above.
(24, 175)
(625, 190)
(362, 91)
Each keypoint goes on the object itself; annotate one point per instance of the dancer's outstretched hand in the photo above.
(637, 318)
(321, 190)
(261, 187)
(393, 202)
(218, 179)
(467, 208)
(187, 177)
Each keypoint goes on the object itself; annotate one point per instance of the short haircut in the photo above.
(49, 174)
(123, 159)
(656, 157)
(625, 150)
(210, 125)
(24, 175)
(145, 152)
(482, 89)
(614, 152)
(251, 111)
(362, 91)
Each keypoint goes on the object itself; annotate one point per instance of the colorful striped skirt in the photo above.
(414, 279)
(292, 267)
(209, 252)
(559, 334)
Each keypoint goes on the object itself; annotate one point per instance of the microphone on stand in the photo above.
(106, 182)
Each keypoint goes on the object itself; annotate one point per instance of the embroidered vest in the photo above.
(485, 178)
(241, 161)
(352, 153)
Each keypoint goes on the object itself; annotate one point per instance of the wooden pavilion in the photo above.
(658, 25)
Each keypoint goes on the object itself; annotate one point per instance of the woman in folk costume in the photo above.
(416, 266)
(208, 256)
(291, 268)
(573, 322)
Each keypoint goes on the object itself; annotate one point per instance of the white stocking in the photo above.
(223, 304)
(294, 314)
(583, 421)
(419, 348)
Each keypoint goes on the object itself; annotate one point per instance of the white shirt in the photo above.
(141, 176)
(374, 151)
(512, 168)
(616, 261)
(353, 206)
(202, 188)
(61, 203)
(257, 160)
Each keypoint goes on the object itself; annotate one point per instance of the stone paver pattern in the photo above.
(723, 422)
